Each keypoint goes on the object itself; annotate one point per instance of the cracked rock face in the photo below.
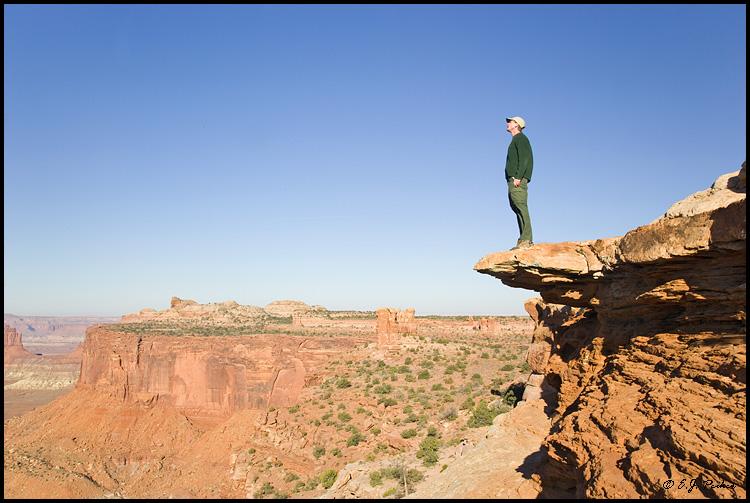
(204, 375)
(643, 337)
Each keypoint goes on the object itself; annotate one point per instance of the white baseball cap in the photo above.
(519, 120)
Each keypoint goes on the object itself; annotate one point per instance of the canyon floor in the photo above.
(400, 416)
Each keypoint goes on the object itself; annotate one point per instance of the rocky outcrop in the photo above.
(286, 308)
(204, 375)
(13, 349)
(642, 339)
(227, 313)
(392, 323)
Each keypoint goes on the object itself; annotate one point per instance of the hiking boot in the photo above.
(523, 244)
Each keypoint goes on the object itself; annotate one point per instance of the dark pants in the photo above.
(518, 197)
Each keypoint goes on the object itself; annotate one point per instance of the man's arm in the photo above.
(525, 159)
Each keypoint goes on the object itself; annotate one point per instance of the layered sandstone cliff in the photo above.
(641, 340)
(204, 376)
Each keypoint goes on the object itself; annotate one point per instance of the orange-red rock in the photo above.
(643, 338)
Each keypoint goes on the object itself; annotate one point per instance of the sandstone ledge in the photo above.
(642, 340)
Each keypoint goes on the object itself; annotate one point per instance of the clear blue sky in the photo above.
(348, 156)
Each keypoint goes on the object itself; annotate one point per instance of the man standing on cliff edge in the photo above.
(518, 167)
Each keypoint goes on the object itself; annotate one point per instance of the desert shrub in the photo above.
(413, 476)
(318, 451)
(388, 402)
(424, 374)
(291, 477)
(449, 414)
(394, 472)
(355, 439)
(411, 418)
(437, 387)
(389, 492)
(481, 415)
(409, 378)
(312, 483)
(410, 433)
(265, 490)
(328, 477)
(485, 355)
(293, 409)
(298, 487)
(467, 404)
(507, 367)
(510, 398)
(525, 367)
(383, 389)
(428, 450)
(344, 417)
(408, 360)
(343, 383)
(376, 479)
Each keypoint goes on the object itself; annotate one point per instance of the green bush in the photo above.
(424, 374)
(388, 402)
(508, 366)
(263, 491)
(355, 439)
(383, 389)
(449, 414)
(344, 417)
(336, 452)
(413, 476)
(428, 450)
(328, 477)
(467, 404)
(481, 416)
(291, 477)
(343, 383)
(318, 451)
(410, 433)
(376, 479)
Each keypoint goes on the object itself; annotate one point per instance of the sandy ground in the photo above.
(18, 402)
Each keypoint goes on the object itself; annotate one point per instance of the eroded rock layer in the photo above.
(642, 339)
(205, 375)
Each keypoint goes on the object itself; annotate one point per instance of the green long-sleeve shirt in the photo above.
(520, 161)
